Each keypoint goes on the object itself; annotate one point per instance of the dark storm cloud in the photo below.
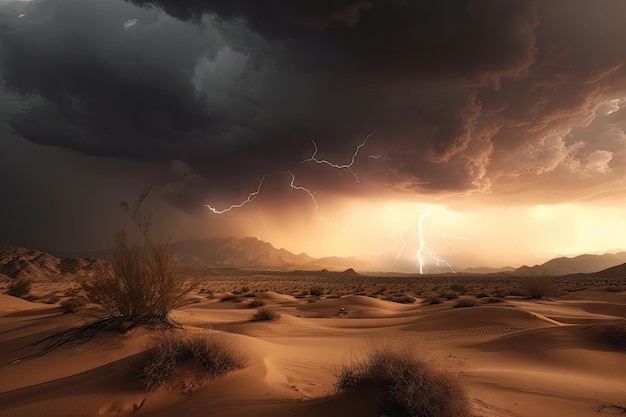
(463, 96)
(476, 41)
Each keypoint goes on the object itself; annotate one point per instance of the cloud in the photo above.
(598, 161)
(465, 97)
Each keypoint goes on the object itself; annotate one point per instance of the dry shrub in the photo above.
(433, 299)
(145, 285)
(537, 287)
(230, 297)
(72, 305)
(19, 287)
(450, 295)
(465, 302)
(172, 349)
(402, 299)
(409, 385)
(256, 303)
(265, 314)
(316, 291)
(614, 333)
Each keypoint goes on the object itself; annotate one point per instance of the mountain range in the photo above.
(585, 264)
(231, 252)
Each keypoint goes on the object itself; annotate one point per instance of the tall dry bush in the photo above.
(145, 285)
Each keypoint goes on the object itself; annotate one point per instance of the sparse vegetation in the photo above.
(449, 295)
(536, 287)
(465, 302)
(614, 333)
(230, 297)
(265, 314)
(256, 303)
(172, 349)
(72, 305)
(145, 285)
(316, 291)
(19, 287)
(402, 299)
(410, 386)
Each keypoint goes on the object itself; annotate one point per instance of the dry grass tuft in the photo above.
(614, 333)
(537, 287)
(172, 349)
(410, 386)
(72, 305)
(265, 314)
(19, 287)
(465, 302)
(256, 303)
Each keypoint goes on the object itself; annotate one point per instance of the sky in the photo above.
(435, 133)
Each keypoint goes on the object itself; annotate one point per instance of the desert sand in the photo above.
(515, 357)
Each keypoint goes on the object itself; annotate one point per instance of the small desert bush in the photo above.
(536, 287)
(402, 299)
(465, 302)
(19, 287)
(494, 300)
(433, 299)
(450, 295)
(72, 305)
(316, 291)
(614, 332)
(409, 385)
(256, 303)
(514, 292)
(172, 349)
(265, 314)
(614, 289)
(230, 297)
(458, 288)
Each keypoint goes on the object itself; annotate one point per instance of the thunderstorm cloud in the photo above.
(508, 100)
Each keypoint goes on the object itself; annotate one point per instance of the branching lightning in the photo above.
(408, 235)
(292, 183)
(413, 232)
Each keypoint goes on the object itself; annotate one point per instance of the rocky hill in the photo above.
(579, 264)
(20, 262)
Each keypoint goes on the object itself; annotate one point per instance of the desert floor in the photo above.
(514, 356)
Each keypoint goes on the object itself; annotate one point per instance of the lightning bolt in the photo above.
(292, 183)
(406, 236)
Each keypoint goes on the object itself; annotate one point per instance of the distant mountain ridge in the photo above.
(585, 264)
(250, 252)
(20, 262)
(247, 252)
(231, 251)
(618, 271)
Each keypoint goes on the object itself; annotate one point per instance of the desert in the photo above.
(312, 208)
(511, 354)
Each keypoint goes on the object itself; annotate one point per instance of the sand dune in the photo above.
(516, 358)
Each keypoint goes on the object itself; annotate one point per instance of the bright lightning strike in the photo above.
(292, 184)
(412, 232)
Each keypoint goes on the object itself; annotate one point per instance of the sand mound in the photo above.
(477, 317)
(9, 304)
(354, 306)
